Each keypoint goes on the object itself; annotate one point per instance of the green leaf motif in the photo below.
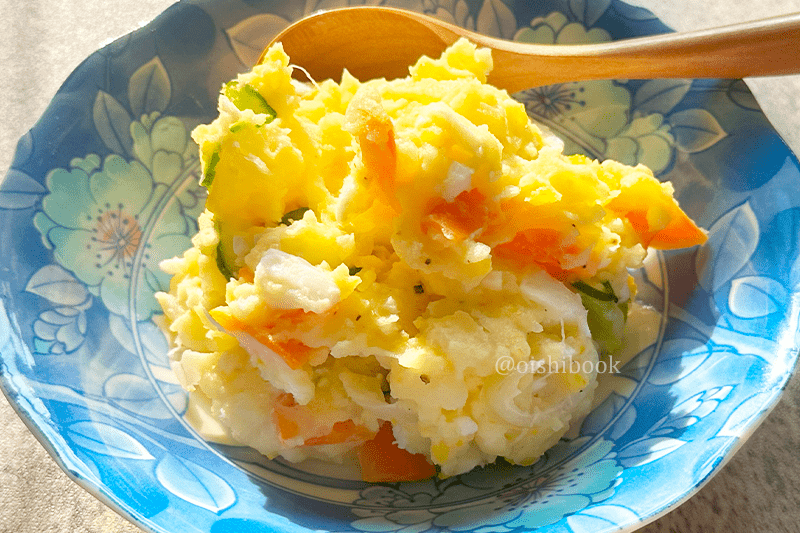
(603, 415)
(19, 191)
(495, 18)
(601, 518)
(740, 95)
(113, 123)
(646, 450)
(107, 440)
(632, 12)
(660, 96)
(732, 241)
(194, 484)
(153, 282)
(744, 414)
(588, 11)
(249, 37)
(756, 297)
(695, 130)
(136, 395)
(149, 88)
(58, 286)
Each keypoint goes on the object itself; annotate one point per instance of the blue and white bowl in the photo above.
(106, 185)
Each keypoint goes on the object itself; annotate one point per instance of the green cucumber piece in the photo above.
(606, 314)
(245, 96)
(226, 258)
(210, 169)
(293, 215)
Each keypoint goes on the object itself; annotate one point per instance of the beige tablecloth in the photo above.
(41, 42)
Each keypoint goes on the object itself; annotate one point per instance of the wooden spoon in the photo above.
(374, 42)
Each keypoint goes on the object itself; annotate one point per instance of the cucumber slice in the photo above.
(226, 258)
(245, 96)
(210, 169)
(294, 214)
(606, 314)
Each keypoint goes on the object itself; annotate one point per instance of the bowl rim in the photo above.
(30, 417)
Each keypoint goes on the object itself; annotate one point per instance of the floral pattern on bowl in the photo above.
(106, 186)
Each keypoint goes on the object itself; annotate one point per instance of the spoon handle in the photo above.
(759, 48)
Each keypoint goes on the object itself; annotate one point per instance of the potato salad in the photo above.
(370, 250)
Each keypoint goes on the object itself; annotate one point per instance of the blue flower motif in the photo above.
(597, 118)
(99, 217)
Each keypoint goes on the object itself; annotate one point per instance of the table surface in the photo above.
(42, 42)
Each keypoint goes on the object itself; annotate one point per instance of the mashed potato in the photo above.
(370, 251)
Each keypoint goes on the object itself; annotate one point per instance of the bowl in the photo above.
(106, 185)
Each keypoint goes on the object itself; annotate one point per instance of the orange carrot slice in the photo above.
(294, 352)
(459, 219)
(382, 461)
(373, 128)
(656, 216)
(345, 431)
(284, 418)
(541, 246)
(287, 427)
(246, 274)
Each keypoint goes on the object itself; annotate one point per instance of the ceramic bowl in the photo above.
(106, 185)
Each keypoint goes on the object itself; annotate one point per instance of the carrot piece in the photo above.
(459, 219)
(681, 232)
(382, 461)
(368, 121)
(246, 274)
(295, 316)
(227, 321)
(287, 427)
(541, 246)
(656, 216)
(282, 415)
(294, 352)
(346, 431)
